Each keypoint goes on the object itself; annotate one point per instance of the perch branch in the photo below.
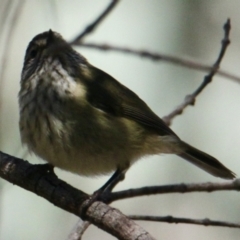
(173, 188)
(42, 181)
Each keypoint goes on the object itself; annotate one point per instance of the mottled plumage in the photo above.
(80, 119)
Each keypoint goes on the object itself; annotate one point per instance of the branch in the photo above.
(169, 219)
(78, 230)
(160, 57)
(91, 27)
(42, 181)
(45, 183)
(173, 188)
(190, 99)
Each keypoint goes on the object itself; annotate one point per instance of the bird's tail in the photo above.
(206, 162)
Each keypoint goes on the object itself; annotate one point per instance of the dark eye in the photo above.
(33, 53)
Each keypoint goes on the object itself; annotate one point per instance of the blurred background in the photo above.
(186, 28)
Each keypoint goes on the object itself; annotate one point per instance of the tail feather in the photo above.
(206, 162)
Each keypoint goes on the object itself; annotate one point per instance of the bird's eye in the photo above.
(33, 53)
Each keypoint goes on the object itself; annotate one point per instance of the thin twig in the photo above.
(5, 6)
(179, 61)
(4, 57)
(173, 188)
(91, 27)
(78, 230)
(190, 99)
(170, 219)
(12, 24)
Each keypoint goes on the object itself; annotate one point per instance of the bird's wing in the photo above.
(107, 94)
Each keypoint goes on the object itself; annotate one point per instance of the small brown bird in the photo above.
(79, 118)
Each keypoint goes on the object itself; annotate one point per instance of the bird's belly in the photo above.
(88, 149)
(85, 161)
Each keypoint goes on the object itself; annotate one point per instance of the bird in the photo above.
(80, 119)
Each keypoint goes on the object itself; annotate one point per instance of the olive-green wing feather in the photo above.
(112, 97)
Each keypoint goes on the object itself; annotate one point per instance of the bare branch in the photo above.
(191, 64)
(170, 219)
(40, 179)
(124, 227)
(78, 230)
(91, 27)
(190, 99)
(173, 188)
